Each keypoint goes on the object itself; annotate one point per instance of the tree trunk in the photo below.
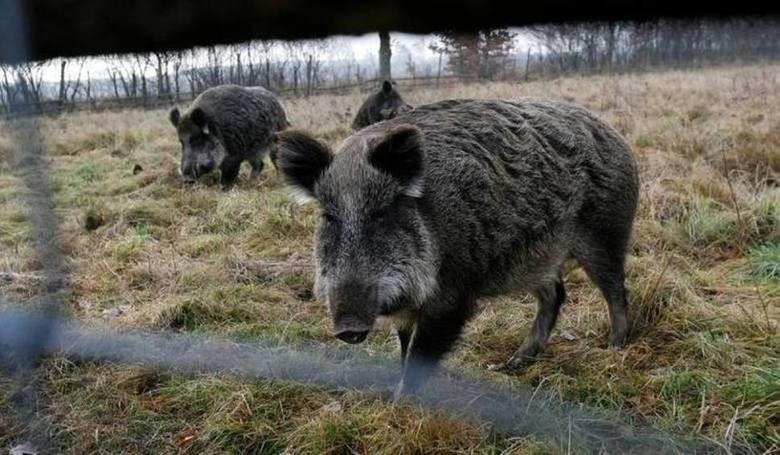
(384, 55)
(113, 77)
(160, 82)
(62, 81)
(176, 67)
(309, 74)
(438, 71)
(527, 62)
(267, 73)
(239, 70)
(144, 92)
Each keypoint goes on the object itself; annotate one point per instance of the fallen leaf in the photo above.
(23, 449)
(332, 407)
(111, 313)
(186, 437)
(568, 336)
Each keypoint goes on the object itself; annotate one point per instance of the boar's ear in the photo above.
(301, 159)
(400, 154)
(199, 119)
(387, 87)
(174, 117)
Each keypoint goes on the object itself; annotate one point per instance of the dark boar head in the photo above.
(382, 105)
(374, 252)
(201, 149)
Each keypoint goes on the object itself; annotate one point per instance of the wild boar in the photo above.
(424, 213)
(382, 105)
(224, 126)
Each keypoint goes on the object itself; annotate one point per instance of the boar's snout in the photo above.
(352, 336)
(351, 329)
(187, 178)
(205, 167)
(353, 305)
(187, 171)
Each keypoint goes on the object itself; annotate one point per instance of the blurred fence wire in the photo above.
(512, 410)
(29, 162)
(27, 336)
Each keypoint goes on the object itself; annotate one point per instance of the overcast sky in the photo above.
(364, 48)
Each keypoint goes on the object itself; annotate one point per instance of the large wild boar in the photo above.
(424, 213)
(382, 105)
(224, 126)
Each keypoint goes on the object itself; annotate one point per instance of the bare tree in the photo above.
(314, 50)
(163, 61)
(295, 55)
(7, 87)
(74, 84)
(29, 76)
(479, 54)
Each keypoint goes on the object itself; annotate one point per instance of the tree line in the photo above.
(609, 46)
(304, 67)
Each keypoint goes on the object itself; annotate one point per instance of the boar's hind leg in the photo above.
(229, 170)
(605, 269)
(434, 336)
(603, 261)
(550, 297)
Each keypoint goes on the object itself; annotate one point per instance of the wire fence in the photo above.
(30, 332)
(56, 107)
(513, 410)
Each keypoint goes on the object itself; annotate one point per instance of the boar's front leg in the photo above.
(434, 335)
(256, 161)
(404, 337)
(550, 298)
(229, 170)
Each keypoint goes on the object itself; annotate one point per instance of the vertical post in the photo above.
(527, 62)
(438, 72)
(309, 70)
(384, 55)
(62, 82)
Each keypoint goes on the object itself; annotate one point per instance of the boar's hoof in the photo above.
(399, 392)
(520, 360)
(617, 341)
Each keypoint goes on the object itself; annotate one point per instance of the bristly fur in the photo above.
(238, 122)
(428, 211)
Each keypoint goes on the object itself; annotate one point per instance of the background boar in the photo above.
(224, 126)
(424, 213)
(382, 105)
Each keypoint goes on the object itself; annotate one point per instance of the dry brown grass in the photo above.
(703, 280)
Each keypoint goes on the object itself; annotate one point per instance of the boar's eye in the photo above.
(198, 140)
(329, 217)
(380, 213)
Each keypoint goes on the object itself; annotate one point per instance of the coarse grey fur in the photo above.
(224, 126)
(382, 105)
(424, 213)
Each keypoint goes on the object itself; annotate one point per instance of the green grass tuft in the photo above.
(764, 261)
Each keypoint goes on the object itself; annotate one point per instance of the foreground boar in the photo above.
(225, 126)
(426, 212)
(382, 105)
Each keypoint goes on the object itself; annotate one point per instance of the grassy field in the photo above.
(146, 252)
